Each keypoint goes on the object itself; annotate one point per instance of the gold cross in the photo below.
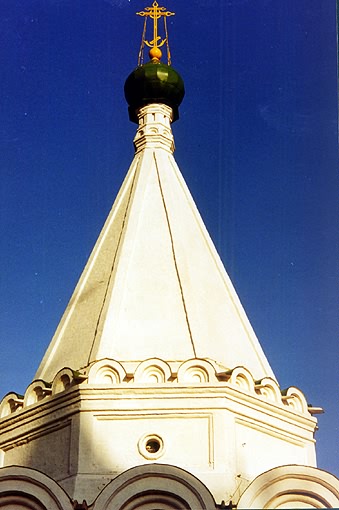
(155, 13)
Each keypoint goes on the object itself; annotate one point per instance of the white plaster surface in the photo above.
(95, 432)
(154, 285)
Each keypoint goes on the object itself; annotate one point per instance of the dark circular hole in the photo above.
(152, 446)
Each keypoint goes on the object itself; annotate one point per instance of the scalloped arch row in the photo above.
(153, 371)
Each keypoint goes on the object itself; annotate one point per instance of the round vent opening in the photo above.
(151, 446)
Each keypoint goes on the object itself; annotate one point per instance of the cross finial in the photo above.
(155, 13)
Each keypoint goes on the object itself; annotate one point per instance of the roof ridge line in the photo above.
(174, 258)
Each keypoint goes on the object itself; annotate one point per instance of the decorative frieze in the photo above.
(154, 371)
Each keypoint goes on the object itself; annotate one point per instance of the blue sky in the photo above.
(256, 142)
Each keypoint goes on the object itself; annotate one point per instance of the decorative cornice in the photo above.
(155, 374)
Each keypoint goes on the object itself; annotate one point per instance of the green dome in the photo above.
(153, 83)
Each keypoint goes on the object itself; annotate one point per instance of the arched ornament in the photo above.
(291, 487)
(36, 391)
(11, 403)
(27, 489)
(196, 371)
(159, 486)
(152, 371)
(106, 372)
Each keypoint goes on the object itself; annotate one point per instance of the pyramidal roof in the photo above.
(154, 285)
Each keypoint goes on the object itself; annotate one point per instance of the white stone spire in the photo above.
(154, 285)
(154, 386)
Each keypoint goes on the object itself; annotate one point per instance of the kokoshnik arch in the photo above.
(154, 392)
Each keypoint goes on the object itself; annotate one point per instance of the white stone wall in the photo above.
(226, 429)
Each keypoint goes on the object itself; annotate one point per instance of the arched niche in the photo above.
(27, 489)
(151, 486)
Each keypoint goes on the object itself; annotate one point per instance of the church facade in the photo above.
(154, 393)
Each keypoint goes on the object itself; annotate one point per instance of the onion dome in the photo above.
(153, 82)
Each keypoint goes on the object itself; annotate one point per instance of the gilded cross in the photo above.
(155, 13)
